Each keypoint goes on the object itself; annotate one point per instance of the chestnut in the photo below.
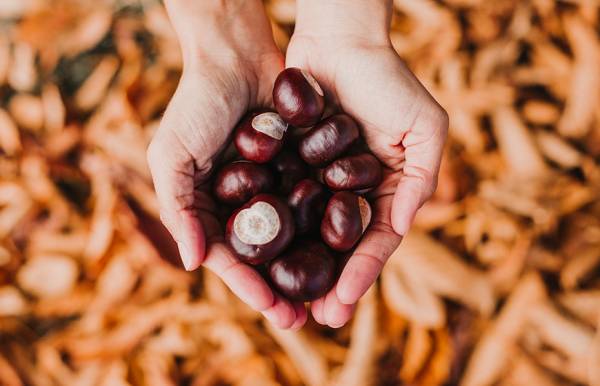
(290, 169)
(347, 215)
(298, 98)
(239, 181)
(328, 140)
(304, 273)
(356, 172)
(307, 201)
(259, 137)
(260, 230)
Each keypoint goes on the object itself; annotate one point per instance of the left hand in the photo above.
(230, 62)
(402, 124)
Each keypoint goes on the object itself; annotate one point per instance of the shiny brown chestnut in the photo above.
(298, 98)
(260, 136)
(307, 201)
(305, 273)
(290, 169)
(260, 230)
(346, 217)
(356, 172)
(239, 181)
(328, 139)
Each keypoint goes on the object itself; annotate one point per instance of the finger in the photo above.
(316, 308)
(246, 283)
(336, 313)
(423, 146)
(242, 280)
(172, 170)
(301, 316)
(366, 263)
(281, 314)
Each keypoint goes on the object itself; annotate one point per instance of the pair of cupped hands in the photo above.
(230, 64)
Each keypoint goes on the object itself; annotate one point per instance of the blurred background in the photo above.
(498, 283)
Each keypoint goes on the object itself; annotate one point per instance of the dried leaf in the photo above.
(22, 75)
(518, 148)
(493, 351)
(417, 351)
(442, 272)
(27, 111)
(47, 276)
(54, 108)
(579, 266)
(360, 364)
(584, 93)
(96, 85)
(8, 375)
(10, 141)
(12, 303)
(584, 304)
(557, 331)
(308, 361)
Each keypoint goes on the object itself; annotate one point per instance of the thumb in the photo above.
(172, 170)
(423, 144)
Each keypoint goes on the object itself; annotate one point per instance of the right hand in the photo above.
(230, 64)
(346, 47)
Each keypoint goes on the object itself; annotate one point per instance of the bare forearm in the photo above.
(220, 27)
(369, 19)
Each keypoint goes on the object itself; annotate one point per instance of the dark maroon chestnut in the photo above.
(239, 181)
(328, 139)
(346, 217)
(357, 172)
(260, 230)
(298, 98)
(307, 201)
(305, 273)
(259, 137)
(290, 169)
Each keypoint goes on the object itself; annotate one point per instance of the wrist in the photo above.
(220, 29)
(356, 20)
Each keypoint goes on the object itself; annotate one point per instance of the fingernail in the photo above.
(186, 256)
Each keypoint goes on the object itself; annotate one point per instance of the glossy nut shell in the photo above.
(257, 236)
(357, 172)
(304, 273)
(328, 140)
(239, 181)
(298, 97)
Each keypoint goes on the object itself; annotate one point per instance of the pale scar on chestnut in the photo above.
(270, 124)
(313, 82)
(258, 224)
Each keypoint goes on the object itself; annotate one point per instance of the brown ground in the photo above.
(499, 285)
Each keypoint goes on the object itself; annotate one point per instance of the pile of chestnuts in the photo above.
(293, 194)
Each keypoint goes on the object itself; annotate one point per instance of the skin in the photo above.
(230, 64)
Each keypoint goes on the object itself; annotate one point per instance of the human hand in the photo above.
(230, 64)
(346, 47)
